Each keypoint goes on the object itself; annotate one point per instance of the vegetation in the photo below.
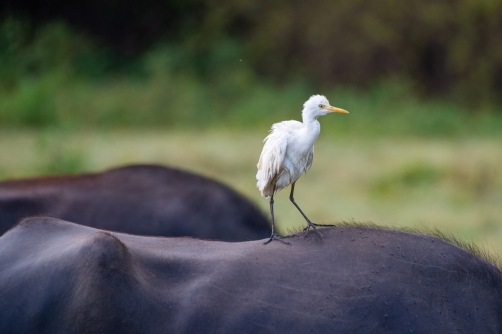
(454, 185)
(441, 47)
(204, 98)
(55, 77)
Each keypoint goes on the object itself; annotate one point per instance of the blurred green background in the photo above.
(196, 84)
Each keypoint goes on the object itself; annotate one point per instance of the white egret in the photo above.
(288, 153)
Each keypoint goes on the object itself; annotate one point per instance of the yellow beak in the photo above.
(334, 109)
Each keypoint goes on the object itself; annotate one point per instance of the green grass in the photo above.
(58, 79)
(67, 106)
(454, 185)
(182, 101)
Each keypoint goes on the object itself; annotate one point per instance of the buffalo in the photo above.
(59, 277)
(141, 199)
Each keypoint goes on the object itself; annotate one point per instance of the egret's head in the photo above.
(318, 105)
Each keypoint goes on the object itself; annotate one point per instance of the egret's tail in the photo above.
(266, 188)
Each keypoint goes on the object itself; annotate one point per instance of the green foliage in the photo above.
(29, 51)
(53, 77)
(441, 46)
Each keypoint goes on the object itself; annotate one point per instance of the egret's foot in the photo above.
(279, 238)
(314, 226)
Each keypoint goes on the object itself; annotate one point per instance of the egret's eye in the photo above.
(320, 106)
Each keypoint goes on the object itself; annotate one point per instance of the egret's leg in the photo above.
(274, 235)
(309, 223)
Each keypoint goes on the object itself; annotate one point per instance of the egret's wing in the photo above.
(286, 127)
(272, 156)
(310, 159)
(289, 127)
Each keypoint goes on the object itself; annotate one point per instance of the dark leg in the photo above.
(309, 223)
(274, 235)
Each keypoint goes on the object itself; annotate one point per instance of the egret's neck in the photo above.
(311, 125)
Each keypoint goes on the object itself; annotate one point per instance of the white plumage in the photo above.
(288, 153)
